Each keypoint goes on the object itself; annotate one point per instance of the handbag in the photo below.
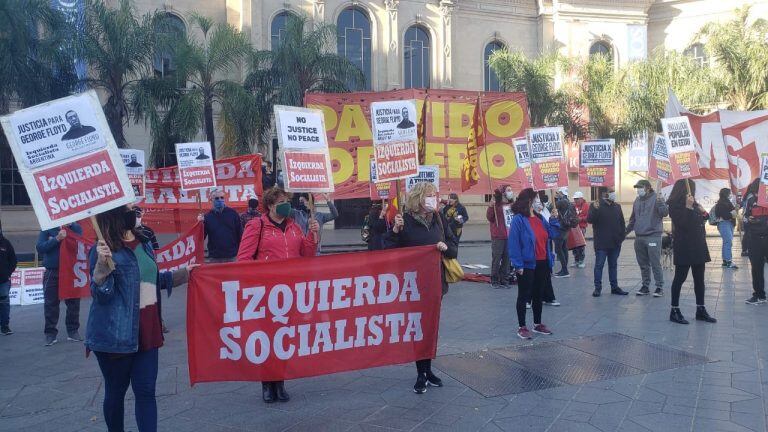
(451, 267)
(576, 238)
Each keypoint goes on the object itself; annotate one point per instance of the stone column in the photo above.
(392, 43)
(318, 11)
(446, 11)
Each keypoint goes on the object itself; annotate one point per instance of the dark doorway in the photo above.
(351, 212)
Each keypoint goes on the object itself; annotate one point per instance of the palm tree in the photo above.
(740, 50)
(203, 64)
(302, 63)
(119, 47)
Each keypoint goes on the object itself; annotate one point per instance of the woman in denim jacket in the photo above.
(124, 326)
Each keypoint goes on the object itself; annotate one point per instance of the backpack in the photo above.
(713, 219)
(365, 231)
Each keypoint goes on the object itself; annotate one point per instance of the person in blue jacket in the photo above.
(531, 257)
(48, 243)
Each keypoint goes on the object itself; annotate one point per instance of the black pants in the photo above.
(424, 366)
(681, 274)
(758, 251)
(51, 304)
(561, 249)
(530, 288)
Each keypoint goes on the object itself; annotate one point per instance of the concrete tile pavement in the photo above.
(58, 389)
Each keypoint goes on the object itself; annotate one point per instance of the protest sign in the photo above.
(306, 162)
(427, 174)
(135, 167)
(523, 158)
(67, 159)
(572, 156)
(74, 275)
(255, 321)
(547, 159)
(638, 152)
(597, 167)
(762, 192)
(14, 295)
(300, 128)
(32, 286)
(659, 164)
(196, 169)
(508, 215)
(307, 172)
(395, 139)
(681, 147)
(380, 190)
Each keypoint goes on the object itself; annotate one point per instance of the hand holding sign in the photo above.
(399, 222)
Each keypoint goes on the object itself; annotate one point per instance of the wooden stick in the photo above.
(100, 236)
(199, 202)
(688, 186)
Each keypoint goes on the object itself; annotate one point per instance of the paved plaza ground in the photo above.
(58, 389)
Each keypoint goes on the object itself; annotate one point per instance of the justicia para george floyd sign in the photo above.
(67, 159)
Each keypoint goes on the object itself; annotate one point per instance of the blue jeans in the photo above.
(726, 232)
(5, 303)
(613, 257)
(140, 371)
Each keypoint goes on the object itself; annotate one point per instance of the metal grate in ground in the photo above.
(521, 369)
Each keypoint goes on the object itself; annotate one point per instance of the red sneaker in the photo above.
(524, 333)
(542, 329)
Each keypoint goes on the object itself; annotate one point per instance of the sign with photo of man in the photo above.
(395, 139)
(67, 159)
(135, 167)
(196, 169)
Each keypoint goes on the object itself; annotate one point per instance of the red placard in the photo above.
(396, 160)
(78, 185)
(257, 321)
(684, 165)
(549, 175)
(660, 170)
(16, 279)
(197, 177)
(33, 276)
(137, 182)
(308, 172)
(597, 176)
(573, 155)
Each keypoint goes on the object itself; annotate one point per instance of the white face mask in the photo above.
(537, 206)
(509, 195)
(138, 222)
(641, 192)
(430, 203)
(612, 196)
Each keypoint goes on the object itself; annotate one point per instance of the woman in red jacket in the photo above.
(582, 211)
(275, 236)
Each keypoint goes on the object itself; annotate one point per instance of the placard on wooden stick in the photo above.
(306, 161)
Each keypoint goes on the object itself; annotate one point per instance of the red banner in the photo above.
(573, 155)
(257, 321)
(74, 276)
(168, 209)
(549, 175)
(597, 176)
(449, 114)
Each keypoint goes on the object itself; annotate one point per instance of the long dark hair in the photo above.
(523, 202)
(679, 193)
(724, 194)
(498, 194)
(753, 187)
(112, 224)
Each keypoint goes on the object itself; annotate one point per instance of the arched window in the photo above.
(416, 58)
(489, 76)
(167, 29)
(601, 47)
(696, 51)
(277, 32)
(354, 40)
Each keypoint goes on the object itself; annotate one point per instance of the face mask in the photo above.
(611, 196)
(538, 206)
(218, 204)
(509, 195)
(283, 209)
(253, 203)
(641, 192)
(430, 203)
(129, 219)
(138, 222)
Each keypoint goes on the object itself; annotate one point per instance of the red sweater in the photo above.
(582, 210)
(275, 243)
(498, 226)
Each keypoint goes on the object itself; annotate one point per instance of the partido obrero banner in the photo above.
(254, 321)
(74, 276)
(597, 164)
(448, 116)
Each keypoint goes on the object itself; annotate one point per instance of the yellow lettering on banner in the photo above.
(438, 119)
(434, 156)
(329, 114)
(456, 153)
(364, 154)
(515, 115)
(345, 162)
(353, 124)
(496, 150)
(457, 113)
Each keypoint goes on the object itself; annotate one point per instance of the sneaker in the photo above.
(643, 291)
(433, 380)
(542, 329)
(6, 331)
(618, 291)
(524, 333)
(596, 293)
(50, 340)
(582, 265)
(552, 303)
(527, 305)
(658, 293)
(731, 266)
(562, 275)
(74, 337)
(574, 264)
(754, 300)
(421, 384)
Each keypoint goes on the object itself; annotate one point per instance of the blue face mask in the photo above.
(218, 204)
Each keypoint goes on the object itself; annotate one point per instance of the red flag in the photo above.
(422, 132)
(469, 174)
(74, 277)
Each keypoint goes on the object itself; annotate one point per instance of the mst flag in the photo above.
(469, 175)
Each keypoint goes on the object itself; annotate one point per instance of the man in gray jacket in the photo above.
(301, 214)
(648, 211)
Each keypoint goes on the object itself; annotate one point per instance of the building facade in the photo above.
(445, 43)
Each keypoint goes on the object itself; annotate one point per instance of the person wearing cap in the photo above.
(456, 215)
(648, 213)
(582, 211)
(223, 230)
(567, 219)
(252, 212)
